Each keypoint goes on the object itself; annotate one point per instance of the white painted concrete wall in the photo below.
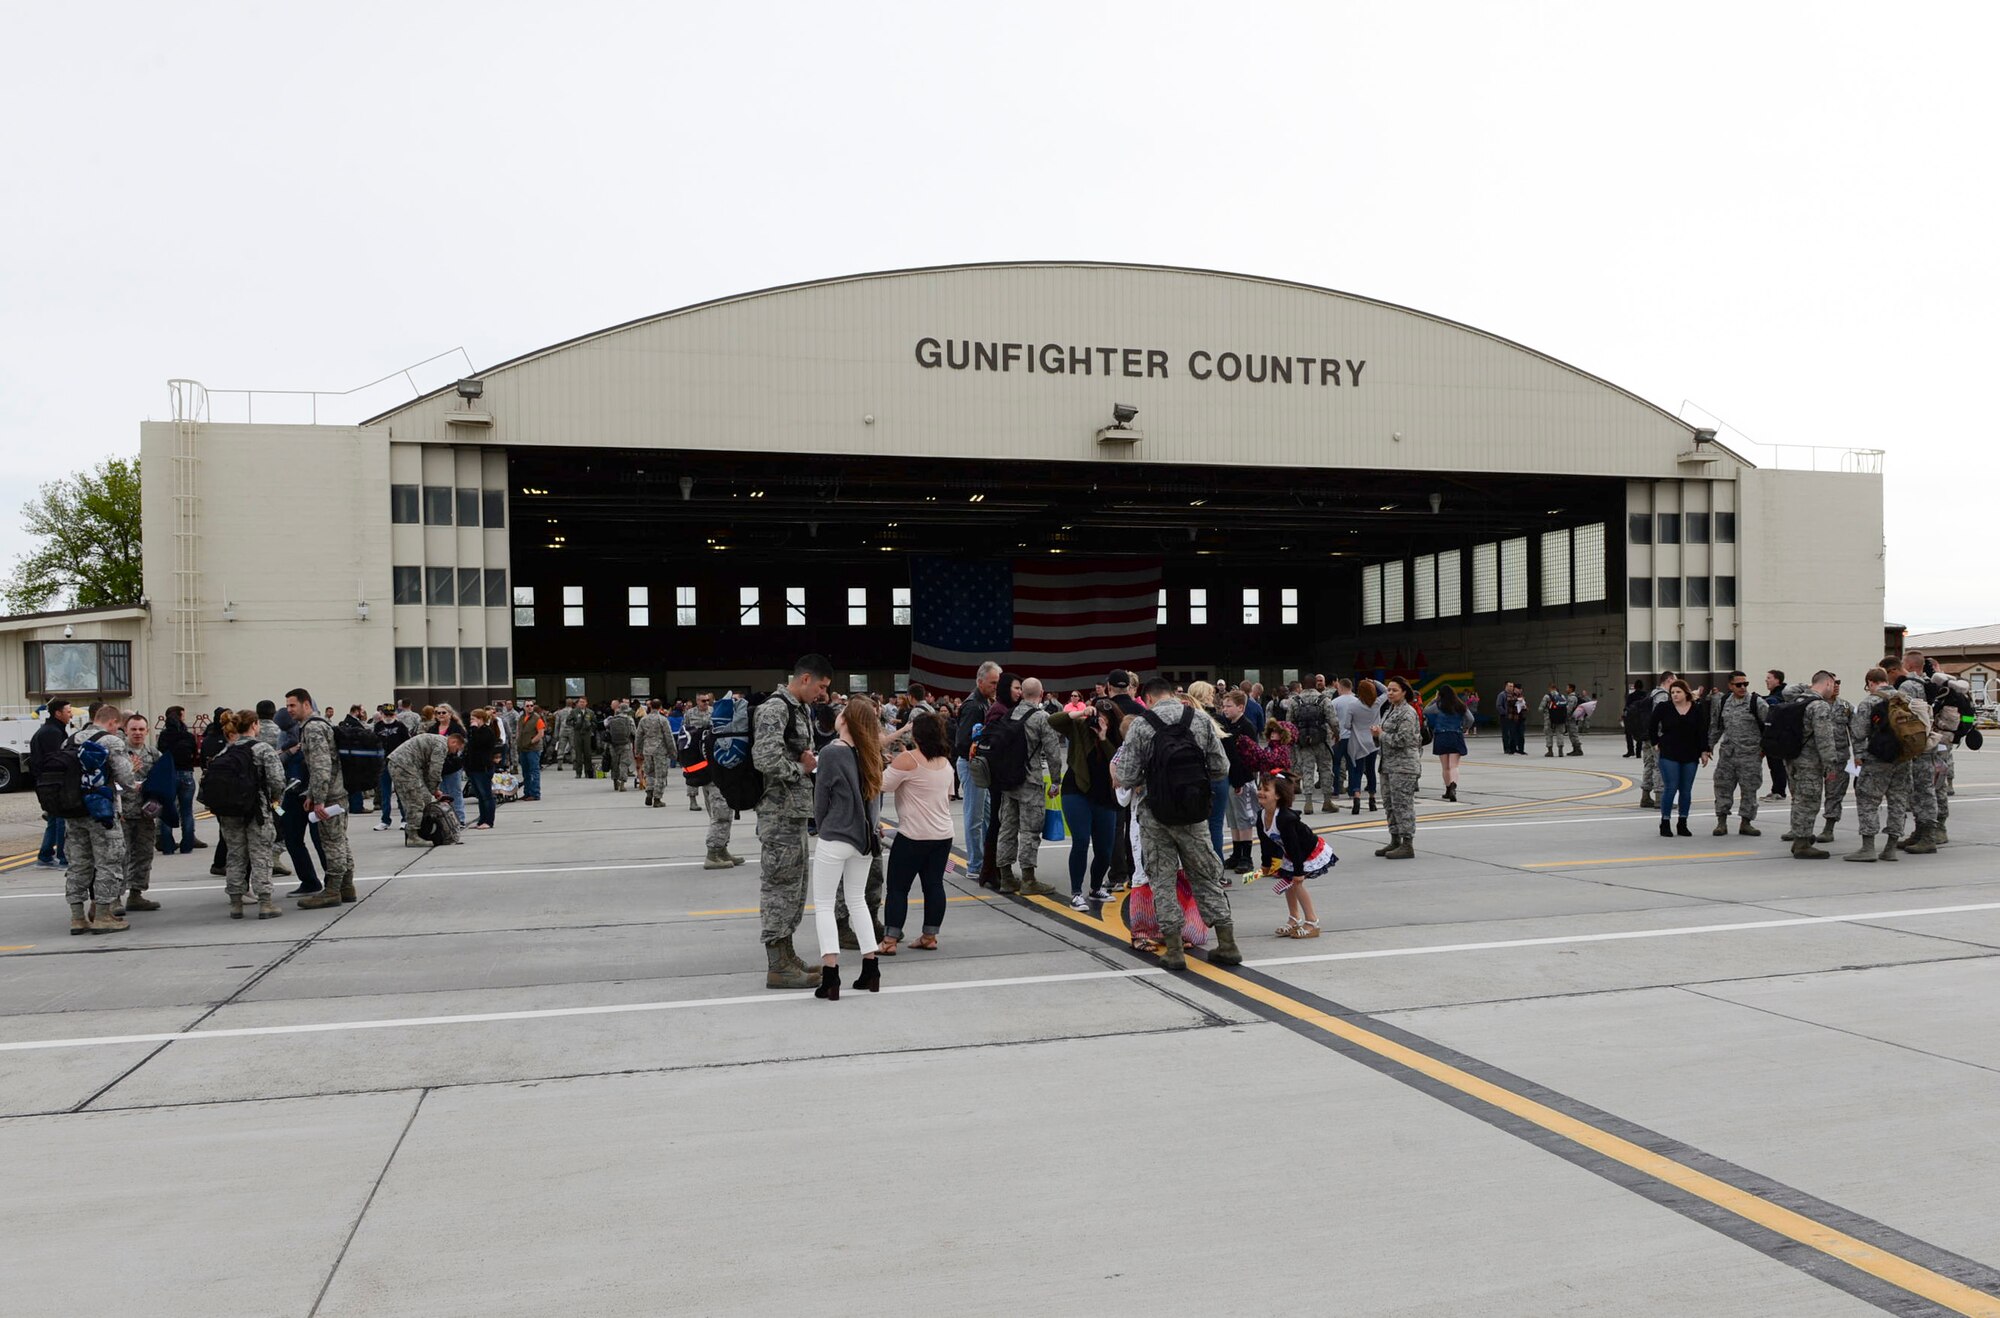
(1812, 573)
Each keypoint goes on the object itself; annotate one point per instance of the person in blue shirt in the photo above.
(1448, 719)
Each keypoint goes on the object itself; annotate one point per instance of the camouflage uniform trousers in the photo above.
(1836, 792)
(1650, 782)
(251, 847)
(1808, 782)
(657, 765)
(1399, 796)
(1941, 774)
(1738, 768)
(621, 764)
(781, 896)
(1552, 733)
(583, 756)
(142, 836)
(96, 862)
(1878, 783)
(1164, 848)
(333, 848)
(694, 793)
(413, 796)
(1923, 786)
(1020, 812)
(719, 817)
(1314, 767)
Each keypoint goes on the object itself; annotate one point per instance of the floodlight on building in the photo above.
(470, 389)
(687, 488)
(68, 631)
(229, 611)
(1122, 414)
(1437, 502)
(361, 611)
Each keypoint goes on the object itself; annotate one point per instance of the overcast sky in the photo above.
(1783, 213)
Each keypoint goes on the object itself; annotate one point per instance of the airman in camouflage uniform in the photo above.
(1314, 763)
(1820, 753)
(1944, 724)
(720, 816)
(656, 752)
(325, 787)
(1736, 739)
(1836, 779)
(415, 769)
(1649, 782)
(1020, 810)
(1552, 731)
(582, 747)
(781, 750)
(1923, 769)
(619, 734)
(1163, 848)
(142, 835)
(1879, 781)
(252, 840)
(1401, 740)
(97, 851)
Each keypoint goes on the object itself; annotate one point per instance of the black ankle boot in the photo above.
(871, 975)
(1371, 801)
(1682, 827)
(1357, 805)
(1451, 791)
(829, 983)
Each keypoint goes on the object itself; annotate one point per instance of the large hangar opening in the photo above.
(667, 571)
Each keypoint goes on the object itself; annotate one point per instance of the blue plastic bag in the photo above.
(1052, 815)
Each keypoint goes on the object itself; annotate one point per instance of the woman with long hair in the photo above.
(1089, 802)
(1202, 696)
(251, 838)
(482, 753)
(1449, 721)
(1356, 722)
(1680, 730)
(1400, 739)
(847, 789)
(921, 780)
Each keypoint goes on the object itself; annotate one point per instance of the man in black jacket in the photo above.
(43, 749)
(178, 744)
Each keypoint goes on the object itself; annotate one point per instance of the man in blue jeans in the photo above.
(971, 716)
(44, 750)
(530, 734)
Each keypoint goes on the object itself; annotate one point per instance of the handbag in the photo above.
(1053, 824)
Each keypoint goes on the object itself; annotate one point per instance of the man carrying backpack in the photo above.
(1312, 757)
(1558, 717)
(1819, 755)
(1649, 782)
(698, 726)
(96, 841)
(1923, 769)
(1882, 778)
(1736, 738)
(781, 750)
(325, 786)
(1174, 754)
(655, 748)
(417, 768)
(1836, 777)
(1023, 746)
(619, 735)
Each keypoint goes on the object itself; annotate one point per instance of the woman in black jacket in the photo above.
(1291, 852)
(1680, 730)
(482, 756)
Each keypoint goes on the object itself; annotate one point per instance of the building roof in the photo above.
(1967, 638)
(20, 621)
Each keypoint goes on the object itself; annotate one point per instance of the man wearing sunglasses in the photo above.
(1736, 739)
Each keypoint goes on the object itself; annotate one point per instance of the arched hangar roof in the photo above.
(1024, 361)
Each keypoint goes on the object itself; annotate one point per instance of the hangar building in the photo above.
(1328, 482)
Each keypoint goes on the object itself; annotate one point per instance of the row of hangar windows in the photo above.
(442, 505)
(1434, 584)
(687, 613)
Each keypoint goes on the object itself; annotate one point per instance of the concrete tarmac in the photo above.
(1556, 1065)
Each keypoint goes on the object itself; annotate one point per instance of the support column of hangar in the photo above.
(450, 573)
(1682, 579)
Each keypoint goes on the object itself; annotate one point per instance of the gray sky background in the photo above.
(1780, 212)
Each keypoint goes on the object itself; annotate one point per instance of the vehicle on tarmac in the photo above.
(17, 728)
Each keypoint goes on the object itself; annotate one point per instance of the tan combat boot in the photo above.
(325, 897)
(1172, 955)
(79, 922)
(347, 893)
(236, 906)
(104, 919)
(716, 861)
(1029, 887)
(779, 974)
(137, 900)
(268, 909)
(1226, 952)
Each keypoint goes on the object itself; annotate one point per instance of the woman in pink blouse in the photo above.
(921, 780)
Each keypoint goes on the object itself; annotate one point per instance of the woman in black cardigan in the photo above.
(1680, 730)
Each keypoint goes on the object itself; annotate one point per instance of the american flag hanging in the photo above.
(1066, 621)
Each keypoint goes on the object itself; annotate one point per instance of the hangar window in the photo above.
(409, 666)
(642, 687)
(1555, 568)
(795, 606)
(1588, 544)
(468, 507)
(1371, 595)
(572, 606)
(471, 587)
(1697, 598)
(403, 504)
(1288, 675)
(857, 606)
(902, 683)
(684, 606)
(524, 688)
(444, 665)
(409, 585)
(472, 665)
(1288, 608)
(1639, 657)
(1725, 528)
(1251, 677)
(524, 606)
(1668, 592)
(1725, 656)
(749, 609)
(1639, 528)
(1639, 592)
(78, 667)
(1697, 534)
(494, 505)
(638, 606)
(1160, 610)
(437, 505)
(496, 665)
(1392, 591)
(1670, 528)
(573, 688)
(496, 588)
(1725, 592)
(1697, 656)
(1485, 578)
(899, 606)
(1253, 610)
(1514, 573)
(1424, 588)
(440, 589)
(1450, 600)
(1198, 607)
(1670, 656)
(857, 684)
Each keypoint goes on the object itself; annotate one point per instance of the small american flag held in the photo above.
(1065, 621)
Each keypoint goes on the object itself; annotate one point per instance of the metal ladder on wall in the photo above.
(190, 404)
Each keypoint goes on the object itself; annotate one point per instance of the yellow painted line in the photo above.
(755, 910)
(1873, 1260)
(1636, 860)
(22, 947)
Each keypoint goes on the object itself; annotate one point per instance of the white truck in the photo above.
(17, 728)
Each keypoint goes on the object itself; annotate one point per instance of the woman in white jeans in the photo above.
(846, 786)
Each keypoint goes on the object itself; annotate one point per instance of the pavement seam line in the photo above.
(368, 1203)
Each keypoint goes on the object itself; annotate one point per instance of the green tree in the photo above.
(88, 526)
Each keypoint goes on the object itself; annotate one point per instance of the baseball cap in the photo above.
(1118, 677)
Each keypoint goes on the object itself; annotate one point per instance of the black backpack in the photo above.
(699, 744)
(361, 755)
(1177, 788)
(732, 763)
(82, 782)
(229, 784)
(1784, 734)
(1309, 717)
(1003, 744)
(1558, 711)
